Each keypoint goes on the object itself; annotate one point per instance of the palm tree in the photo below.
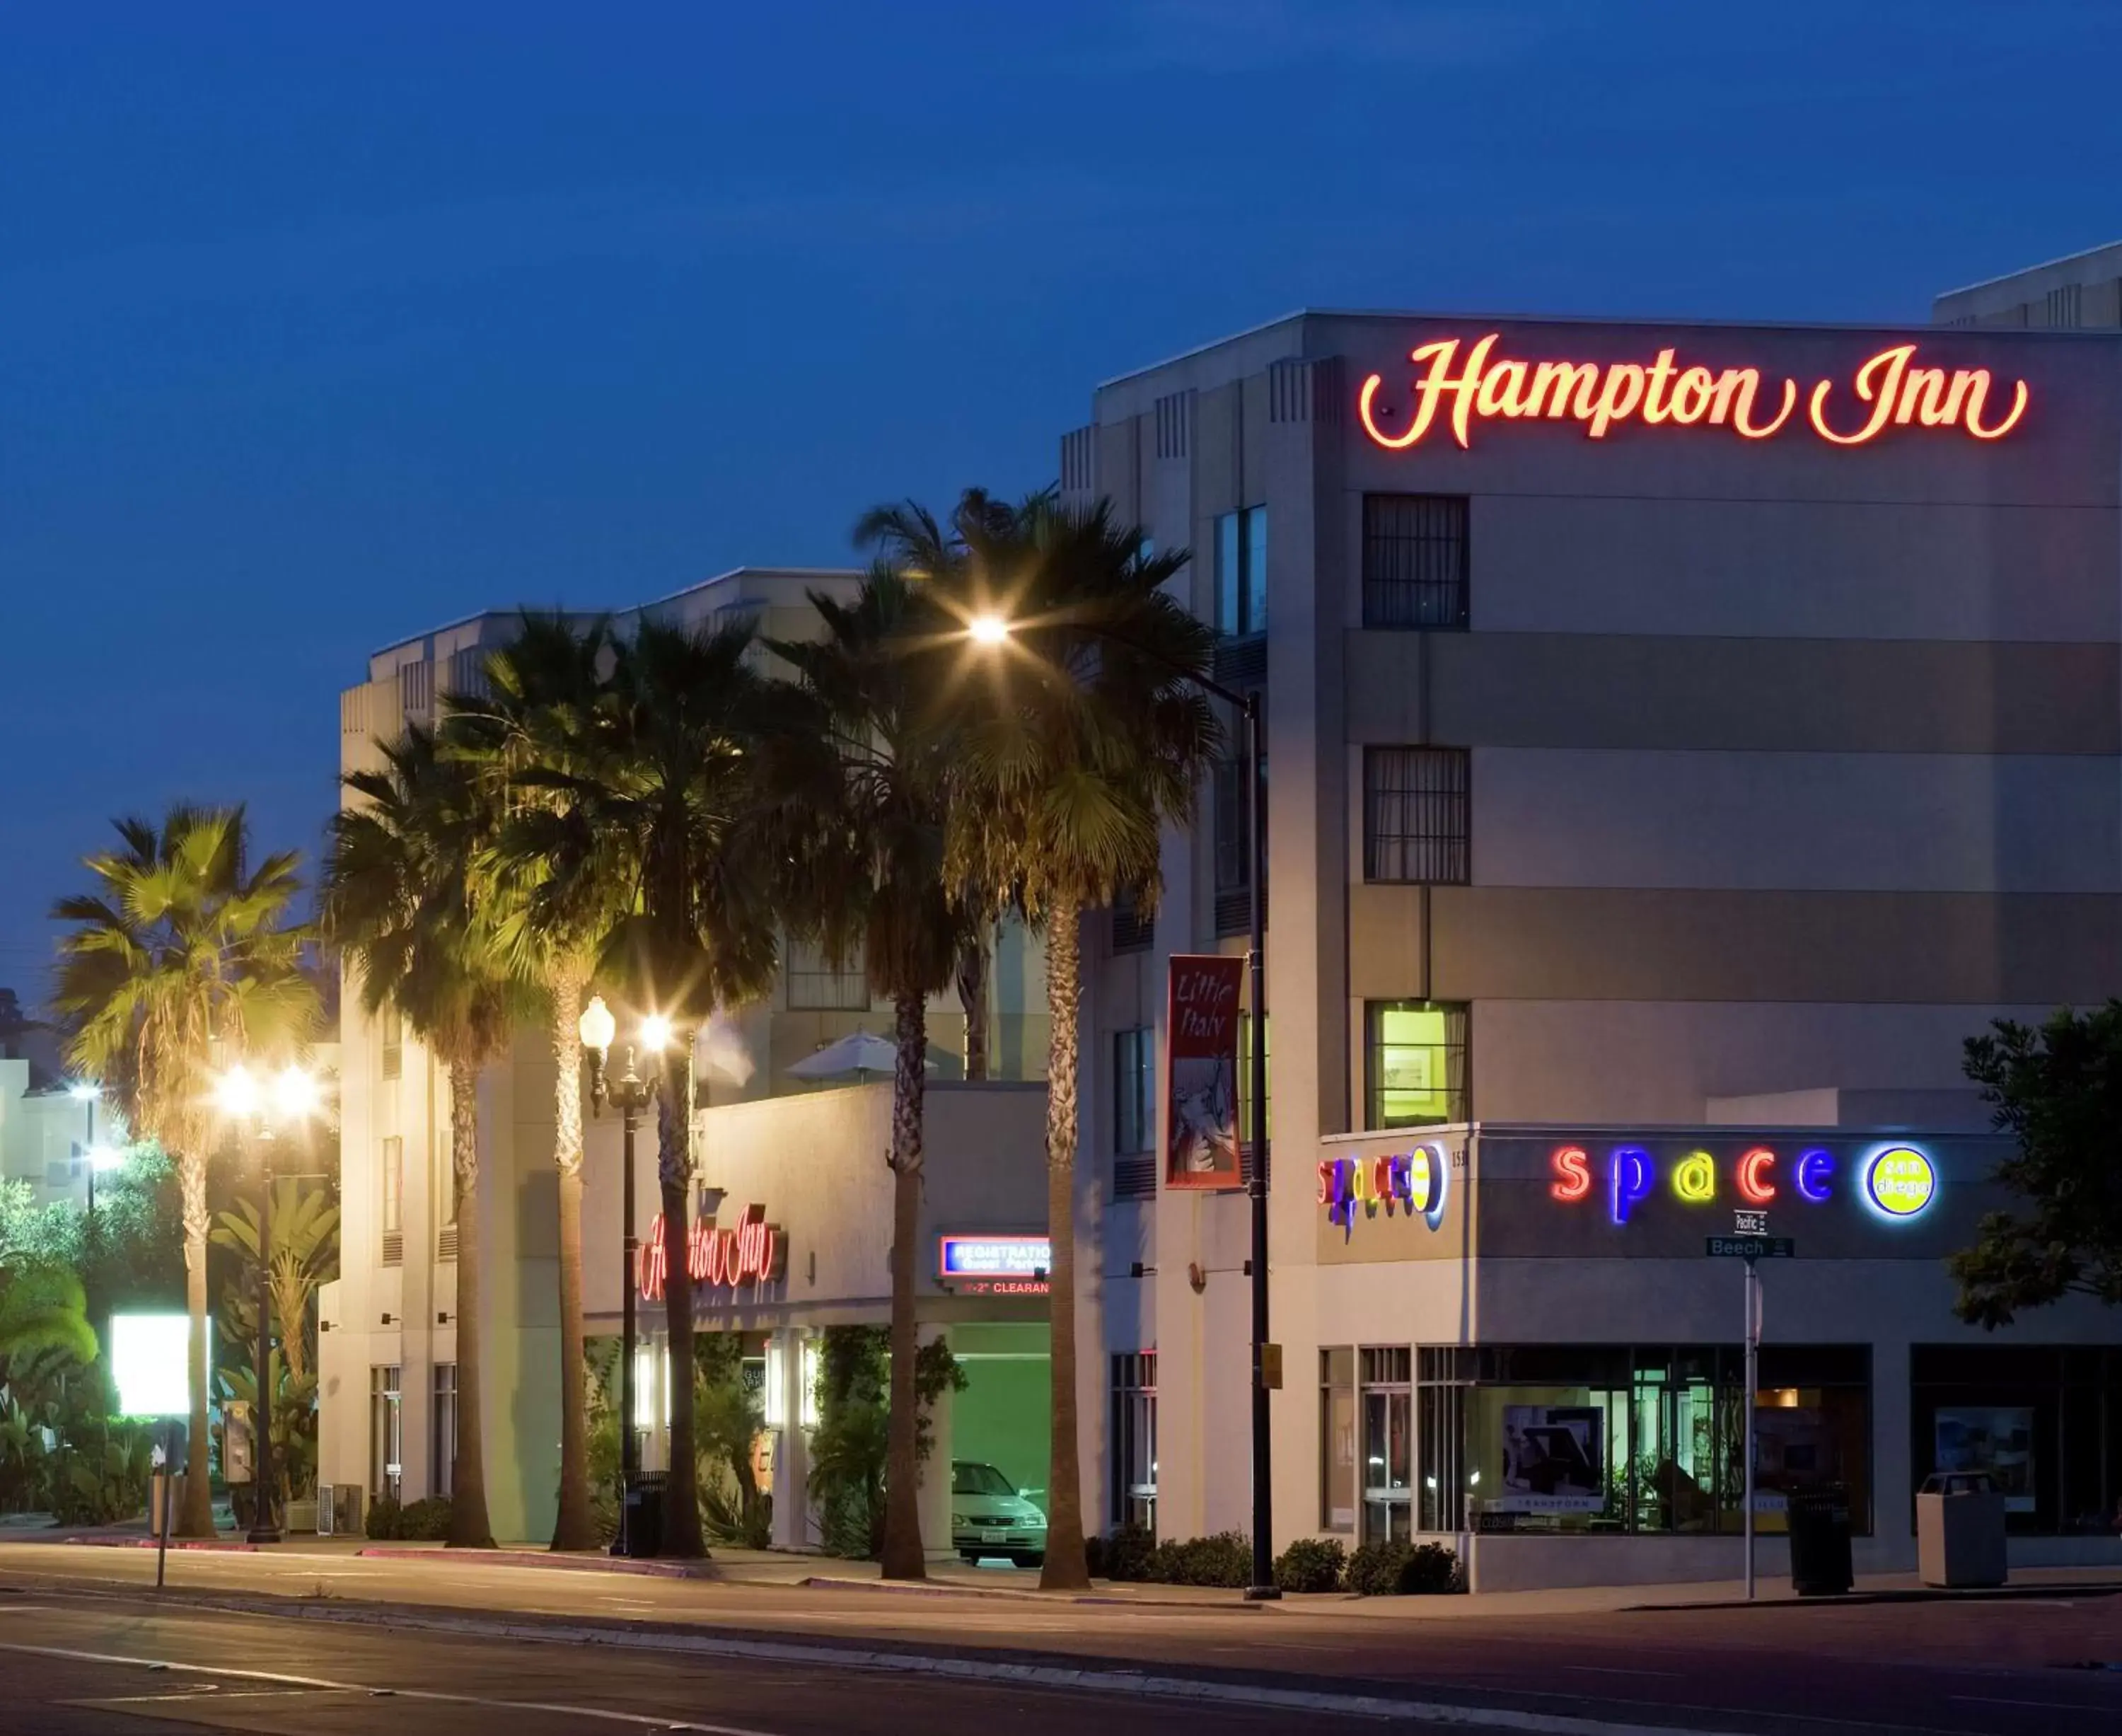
(662, 773)
(879, 888)
(406, 905)
(305, 1257)
(1084, 737)
(541, 688)
(181, 948)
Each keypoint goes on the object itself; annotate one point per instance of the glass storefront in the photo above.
(2044, 1422)
(1641, 1439)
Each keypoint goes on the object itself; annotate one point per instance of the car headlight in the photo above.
(959, 1518)
(1035, 1519)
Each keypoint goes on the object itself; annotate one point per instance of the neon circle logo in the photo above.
(1900, 1182)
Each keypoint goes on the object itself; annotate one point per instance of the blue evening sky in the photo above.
(319, 325)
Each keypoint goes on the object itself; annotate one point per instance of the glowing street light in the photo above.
(84, 1090)
(236, 1092)
(296, 1093)
(987, 629)
(656, 1032)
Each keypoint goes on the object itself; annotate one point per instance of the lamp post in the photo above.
(291, 1097)
(84, 1093)
(630, 1094)
(992, 630)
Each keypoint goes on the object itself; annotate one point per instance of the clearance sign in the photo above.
(1460, 385)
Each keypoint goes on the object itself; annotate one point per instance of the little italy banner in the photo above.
(1201, 1072)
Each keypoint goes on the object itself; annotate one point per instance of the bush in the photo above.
(1312, 1564)
(1224, 1559)
(425, 1521)
(1127, 1554)
(1390, 1569)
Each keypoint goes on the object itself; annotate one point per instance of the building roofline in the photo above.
(2024, 271)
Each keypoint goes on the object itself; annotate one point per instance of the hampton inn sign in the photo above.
(1892, 390)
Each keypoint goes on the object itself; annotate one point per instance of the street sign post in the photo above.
(1751, 1248)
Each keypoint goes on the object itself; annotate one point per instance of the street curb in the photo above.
(1906, 1594)
(943, 1665)
(230, 1547)
(586, 1562)
(1006, 1594)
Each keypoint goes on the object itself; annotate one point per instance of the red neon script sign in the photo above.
(753, 1252)
(1890, 391)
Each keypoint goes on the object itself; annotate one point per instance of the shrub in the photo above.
(1127, 1554)
(1312, 1564)
(1223, 1559)
(1388, 1569)
(426, 1520)
(385, 1517)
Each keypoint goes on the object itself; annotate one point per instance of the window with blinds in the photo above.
(1415, 562)
(1415, 817)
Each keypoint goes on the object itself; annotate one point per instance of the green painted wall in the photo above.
(1003, 1417)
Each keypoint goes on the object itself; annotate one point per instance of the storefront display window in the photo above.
(1560, 1438)
(1134, 1439)
(2044, 1422)
(1337, 1439)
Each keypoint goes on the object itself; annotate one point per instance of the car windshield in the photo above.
(970, 1479)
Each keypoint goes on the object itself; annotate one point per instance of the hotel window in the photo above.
(1415, 1063)
(386, 1433)
(391, 1035)
(447, 1187)
(815, 985)
(443, 1480)
(1134, 1113)
(1134, 928)
(1415, 814)
(1337, 1439)
(1241, 573)
(1414, 560)
(1387, 1409)
(1234, 846)
(1134, 1439)
(393, 1199)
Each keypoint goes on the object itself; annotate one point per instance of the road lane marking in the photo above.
(640, 1720)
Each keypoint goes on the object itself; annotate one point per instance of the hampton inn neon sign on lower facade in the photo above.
(1888, 391)
(753, 1251)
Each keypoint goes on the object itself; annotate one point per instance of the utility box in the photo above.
(1959, 1530)
(1819, 1522)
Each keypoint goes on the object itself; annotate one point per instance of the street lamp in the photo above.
(994, 631)
(84, 1093)
(631, 1094)
(288, 1099)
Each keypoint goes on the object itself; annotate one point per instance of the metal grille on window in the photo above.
(1234, 848)
(1134, 1494)
(393, 1159)
(444, 1428)
(1415, 560)
(1416, 817)
(391, 1039)
(1134, 1113)
(386, 1440)
(815, 985)
(1135, 930)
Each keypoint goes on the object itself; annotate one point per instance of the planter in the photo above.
(301, 1517)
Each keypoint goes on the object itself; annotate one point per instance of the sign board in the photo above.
(150, 1360)
(753, 1251)
(994, 1265)
(1752, 1247)
(1750, 1224)
(1201, 1072)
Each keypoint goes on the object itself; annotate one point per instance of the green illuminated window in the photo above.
(1415, 1062)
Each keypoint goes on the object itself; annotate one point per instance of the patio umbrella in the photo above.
(859, 1053)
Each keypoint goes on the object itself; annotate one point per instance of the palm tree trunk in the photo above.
(572, 1527)
(904, 1555)
(972, 984)
(468, 1527)
(1066, 1569)
(674, 1174)
(195, 1517)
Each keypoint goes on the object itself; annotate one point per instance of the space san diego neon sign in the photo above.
(1895, 1182)
(1465, 384)
(1408, 1181)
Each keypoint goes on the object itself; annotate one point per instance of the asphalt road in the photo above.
(2009, 1667)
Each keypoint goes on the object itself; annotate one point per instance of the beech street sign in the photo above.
(1751, 1248)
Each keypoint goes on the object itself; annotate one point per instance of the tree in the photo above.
(1081, 735)
(2057, 1089)
(562, 888)
(405, 904)
(305, 1257)
(663, 774)
(180, 950)
(43, 1311)
(880, 889)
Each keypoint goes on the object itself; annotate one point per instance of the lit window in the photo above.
(1241, 573)
(1415, 1062)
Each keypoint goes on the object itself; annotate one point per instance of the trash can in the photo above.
(1819, 1522)
(644, 1514)
(1959, 1530)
